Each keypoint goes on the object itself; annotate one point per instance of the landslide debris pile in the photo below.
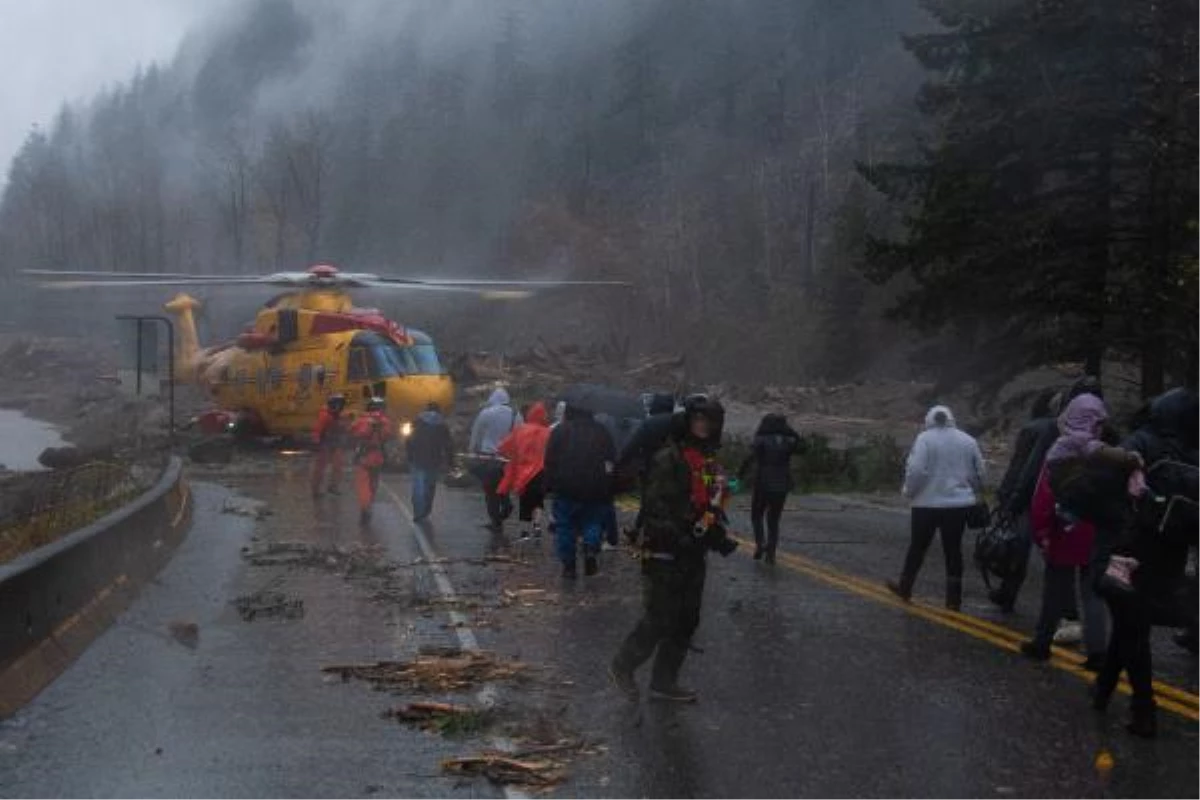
(434, 670)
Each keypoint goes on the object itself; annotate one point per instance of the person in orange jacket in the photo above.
(371, 432)
(330, 437)
(525, 451)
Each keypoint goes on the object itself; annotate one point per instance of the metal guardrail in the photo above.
(37, 508)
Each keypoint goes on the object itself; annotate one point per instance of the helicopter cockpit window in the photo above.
(371, 358)
(426, 358)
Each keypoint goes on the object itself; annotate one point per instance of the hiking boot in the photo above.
(523, 536)
(1094, 663)
(570, 570)
(537, 530)
(899, 591)
(590, 565)
(364, 516)
(1068, 633)
(624, 681)
(1100, 697)
(769, 557)
(1035, 651)
(673, 694)
(758, 553)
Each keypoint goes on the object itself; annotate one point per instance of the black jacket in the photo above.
(772, 453)
(579, 460)
(429, 446)
(1020, 479)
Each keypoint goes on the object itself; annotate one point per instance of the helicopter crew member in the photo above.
(371, 432)
(495, 422)
(683, 519)
(330, 435)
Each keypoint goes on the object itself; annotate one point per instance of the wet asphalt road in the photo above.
(809, 687)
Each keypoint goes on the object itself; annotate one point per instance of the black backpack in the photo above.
(998, 548)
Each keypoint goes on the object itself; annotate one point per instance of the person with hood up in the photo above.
(1066, 547)
(525, 450)
(1149, 538)
(943, 479)
(771, 453)
(579, 473)
(496, 421)
(430, 451)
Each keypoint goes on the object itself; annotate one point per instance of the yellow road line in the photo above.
(1168, 697)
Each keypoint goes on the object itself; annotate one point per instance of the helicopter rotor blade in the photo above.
(493, 283)
(87, 284)
(78, 273)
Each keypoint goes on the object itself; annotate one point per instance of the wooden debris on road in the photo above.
(506, 770)
(433, 673)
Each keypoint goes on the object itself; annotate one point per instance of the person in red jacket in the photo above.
(525, 452)
(371, 432)
(330, 437)
(1066, 546)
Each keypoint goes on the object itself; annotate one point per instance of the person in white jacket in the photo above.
(943, 479)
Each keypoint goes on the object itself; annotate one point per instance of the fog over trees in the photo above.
(1010, 176)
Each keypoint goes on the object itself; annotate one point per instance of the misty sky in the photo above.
(56, 50)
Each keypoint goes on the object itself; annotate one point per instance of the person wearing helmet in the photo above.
(330, 437)
(371, 432)
(683, 518)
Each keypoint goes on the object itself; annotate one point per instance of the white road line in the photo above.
(466, 637)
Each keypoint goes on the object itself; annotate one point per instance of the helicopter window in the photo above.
(305, 376)
(262, 381)
(319, 372)
(426, 359)
(276, 377)
(358, 364)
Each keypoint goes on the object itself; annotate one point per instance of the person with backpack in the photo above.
(496, 421)
(525, 451)
(579, 473)
(771, 454)
(1142, 544)
(943, 478)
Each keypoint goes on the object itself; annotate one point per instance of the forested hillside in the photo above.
(703, 150)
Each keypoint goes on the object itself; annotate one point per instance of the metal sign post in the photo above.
(147, 352)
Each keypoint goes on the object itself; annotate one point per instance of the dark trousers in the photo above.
(926, 523)
(1058, 599)
(768, 505)
(671, 597)
(499, 506)
(1128, 651)
(533, 498)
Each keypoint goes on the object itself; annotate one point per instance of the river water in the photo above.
(22, 440)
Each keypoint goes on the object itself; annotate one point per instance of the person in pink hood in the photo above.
(1066, 547)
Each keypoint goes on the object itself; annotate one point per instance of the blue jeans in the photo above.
(424, 486)
(572, 517)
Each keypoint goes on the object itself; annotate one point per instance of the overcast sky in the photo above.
(56, 50)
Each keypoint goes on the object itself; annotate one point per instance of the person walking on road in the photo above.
(330, 436)
(682, 521)
(650, 437)
(430, 452)
(1017, 487)
(496, 421)
(525, 451)
(771, 454)
(943, 479)
(371, 432)
(579, 473)
(1066, 546)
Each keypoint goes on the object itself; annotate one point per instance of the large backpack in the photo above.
(998, 548)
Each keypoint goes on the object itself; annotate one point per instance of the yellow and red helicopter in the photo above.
(309, 343)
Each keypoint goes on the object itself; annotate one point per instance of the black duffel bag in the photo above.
(998, 548)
